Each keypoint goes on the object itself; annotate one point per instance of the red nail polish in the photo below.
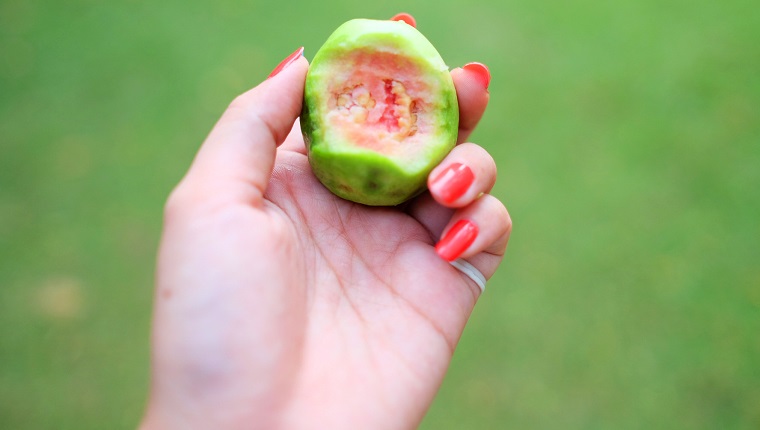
(457, 240)
(405, 17)
(453, 182)
(481, 72)
(286, 62)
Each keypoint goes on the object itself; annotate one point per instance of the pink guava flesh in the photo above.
(376, 112)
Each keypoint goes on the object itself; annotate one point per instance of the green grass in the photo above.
(627, 136)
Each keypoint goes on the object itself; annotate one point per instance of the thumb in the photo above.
(236, 160)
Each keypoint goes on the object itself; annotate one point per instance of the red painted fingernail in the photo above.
(405, 17)
(481, 72)
(453, 182)
(286, 62)
(457, 240)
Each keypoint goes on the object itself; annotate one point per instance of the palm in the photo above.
(381, 306)
(279, 304)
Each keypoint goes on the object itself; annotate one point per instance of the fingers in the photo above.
(471, 82)
(466, 172)
(480, 222)
(478, 232)
(470, 223)
(483, 226)
(236, 160)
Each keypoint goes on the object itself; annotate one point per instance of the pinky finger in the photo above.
(483, 227)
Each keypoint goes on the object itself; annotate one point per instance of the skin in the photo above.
(279, 305)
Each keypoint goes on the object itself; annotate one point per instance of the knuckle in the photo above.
(479, 156)
(503, 215)
(508, 220)
(487, 160)
(238, 103)
(504, 229)
(500, 213)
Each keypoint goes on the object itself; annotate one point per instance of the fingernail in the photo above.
(286, 62)
(405, 17)
(453, 182)
(480, 71)
(457, 240)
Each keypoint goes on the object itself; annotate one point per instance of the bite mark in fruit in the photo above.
(396, 113)
(380, 111)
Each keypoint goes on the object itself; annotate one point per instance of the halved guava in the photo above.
(380, 112)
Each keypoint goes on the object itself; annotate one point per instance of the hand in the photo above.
(279, 305)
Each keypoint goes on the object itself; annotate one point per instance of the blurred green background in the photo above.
(627, 138)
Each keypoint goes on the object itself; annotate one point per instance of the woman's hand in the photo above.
(280, 305)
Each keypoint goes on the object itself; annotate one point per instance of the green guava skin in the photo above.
(350, 170)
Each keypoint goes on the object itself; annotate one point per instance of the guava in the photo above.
(380, 112)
